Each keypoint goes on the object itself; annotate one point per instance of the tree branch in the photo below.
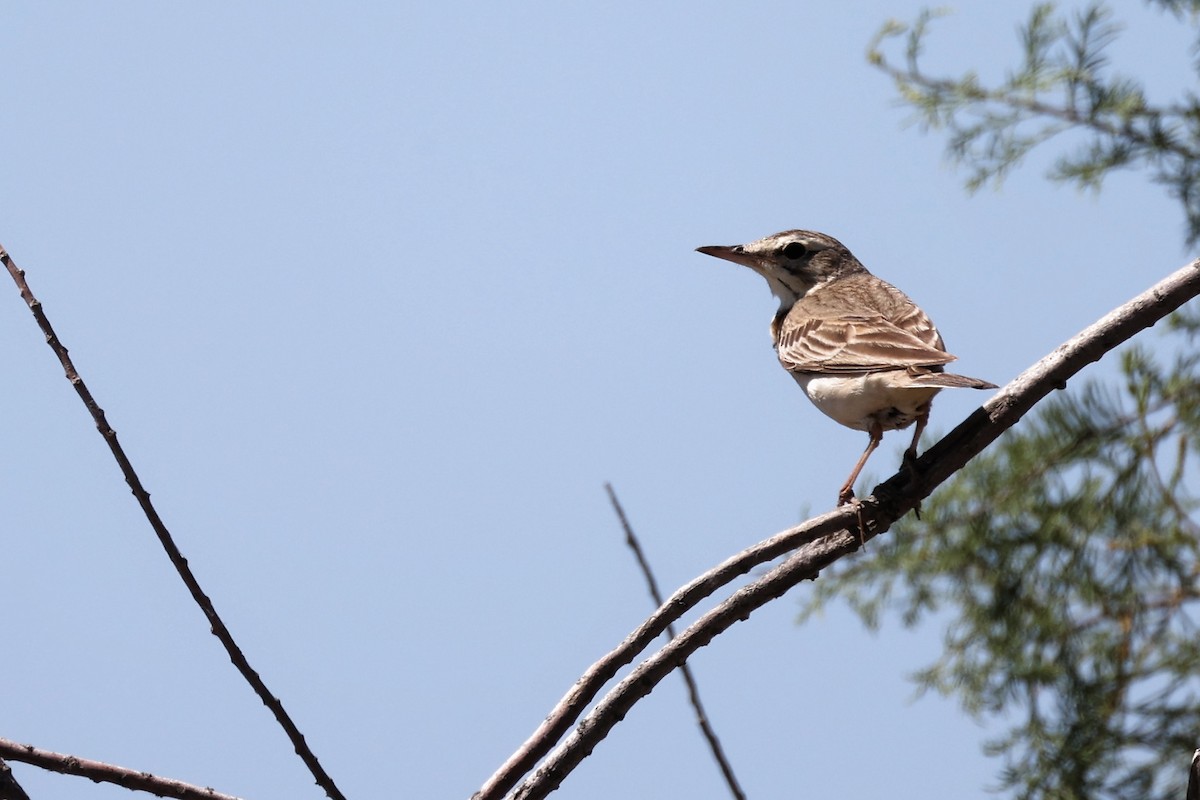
(693, 690)
(805, 564)
(823, 540)
(9, 788)
(1193, 786)
(910, 77)
(164, 537)
(687, 597)
(100, 772)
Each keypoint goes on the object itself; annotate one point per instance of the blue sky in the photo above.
(378, 297)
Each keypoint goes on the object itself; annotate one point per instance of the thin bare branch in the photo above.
(687, 597)
(822, 540)
(164, 536)
(710, 736)
(1193, 787)
(100, 772)
(9, 788)
(911, 76)
(805, 564)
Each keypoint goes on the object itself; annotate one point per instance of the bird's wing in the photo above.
(858, 343)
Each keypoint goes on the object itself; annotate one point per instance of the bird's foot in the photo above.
(846, 497)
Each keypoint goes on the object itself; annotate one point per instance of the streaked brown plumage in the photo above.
(862, 351)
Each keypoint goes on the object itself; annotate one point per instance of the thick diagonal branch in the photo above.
(822, 540)
(693, 690)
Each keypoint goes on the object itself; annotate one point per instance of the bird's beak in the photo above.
(735, 253)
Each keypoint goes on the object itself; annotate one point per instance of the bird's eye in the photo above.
(794, 250)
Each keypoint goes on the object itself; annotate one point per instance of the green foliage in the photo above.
(1064, 88)
(1068, 560)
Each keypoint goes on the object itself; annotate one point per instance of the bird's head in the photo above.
(793, 262)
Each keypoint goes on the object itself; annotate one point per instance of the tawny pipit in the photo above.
(864, 353)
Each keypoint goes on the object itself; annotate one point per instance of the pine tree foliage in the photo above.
(1065, 561)
(1067, 558)
(1064, 89)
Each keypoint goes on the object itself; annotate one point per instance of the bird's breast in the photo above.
(859, 401)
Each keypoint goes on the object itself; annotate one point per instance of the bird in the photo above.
(864, 353)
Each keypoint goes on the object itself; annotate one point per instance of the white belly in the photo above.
(859, 401)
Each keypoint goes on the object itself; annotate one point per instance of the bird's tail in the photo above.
(950, 380)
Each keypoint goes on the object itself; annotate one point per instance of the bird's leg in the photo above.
(910, 455)
(847, 492)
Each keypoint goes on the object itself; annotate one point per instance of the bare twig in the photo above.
(585, 689)
(1072, 117)
(823, 539)
(803, 565)
(164, 536)
(9, 788)
(1193, 787)
(693, 690)
(100, 772)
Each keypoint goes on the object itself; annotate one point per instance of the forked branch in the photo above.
(821, 541)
